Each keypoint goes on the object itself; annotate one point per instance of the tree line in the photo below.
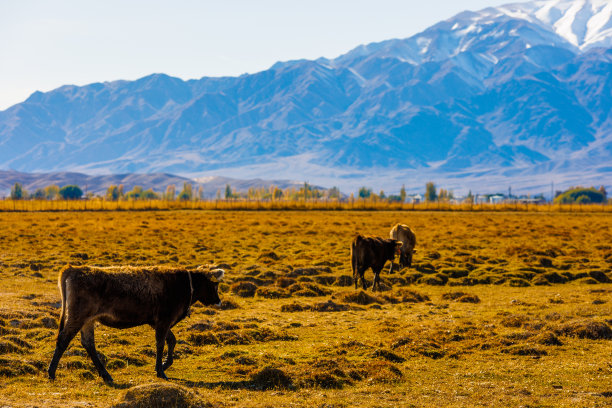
(187, 193)
(578, 195)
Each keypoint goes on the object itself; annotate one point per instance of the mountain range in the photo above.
(98, 184)
(518, 95)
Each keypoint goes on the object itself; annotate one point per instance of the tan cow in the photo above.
(403, 233)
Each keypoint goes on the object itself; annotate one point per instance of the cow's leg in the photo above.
(161, 332)
(171, 340)
(88, 342)
(64, 338)
(364, 284)
(376, 280)
(355, 268)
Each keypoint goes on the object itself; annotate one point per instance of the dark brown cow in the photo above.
(123, 297)
(403, 233)
(372, 252)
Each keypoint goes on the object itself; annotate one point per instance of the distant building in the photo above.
(496, 199)
(414, 199)
(481, 199)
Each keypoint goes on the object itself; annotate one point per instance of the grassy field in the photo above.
(499, 309)
(370, 204)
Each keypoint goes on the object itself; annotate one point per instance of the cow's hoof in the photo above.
(107, 379)
(51, 376)
(162, 376)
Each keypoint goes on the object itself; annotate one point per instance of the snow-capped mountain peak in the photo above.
(583, 23)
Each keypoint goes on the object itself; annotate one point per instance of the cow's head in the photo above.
(393, 248)
(398, 247)
(209, 291)
(406, 257)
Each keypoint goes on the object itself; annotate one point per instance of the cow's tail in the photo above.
(354, 257)
(61, 282)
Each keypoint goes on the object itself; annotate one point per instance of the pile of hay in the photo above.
(361, 298)
(160, 395)
(461, 297)
(270, 378)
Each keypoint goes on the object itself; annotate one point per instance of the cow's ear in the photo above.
(217, 274)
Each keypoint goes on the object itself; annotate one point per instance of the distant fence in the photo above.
(8, 205)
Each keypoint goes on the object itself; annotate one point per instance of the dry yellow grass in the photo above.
(97, 204)
(500, 309)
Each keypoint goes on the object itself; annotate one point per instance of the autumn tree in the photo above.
(170, 192)
(18, 192)
(71, 192)
(430, 192)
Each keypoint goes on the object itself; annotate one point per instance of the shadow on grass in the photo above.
(119, 386)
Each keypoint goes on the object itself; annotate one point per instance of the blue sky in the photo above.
(46, 44)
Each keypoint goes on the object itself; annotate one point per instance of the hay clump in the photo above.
(402, 341)
(388, 355)
(455, 272)
(344, 280)
(554, 277)
(158, 395)
(270, 378)
(548, 339)
(518, 283)
(361, 298)
(293, 307)
(325, 279)
(7, 347)
(600, 276)
(545, 262)
(439, 279)
(244, 289)
(283, 282)
(461, 297)
(514, 320)
(13, 368)
(116, 364)
(381, 372)
(329, 306)
(587, 329)
(539, 280)
(202, 339)
(268, 293)
(431, 350)
(227, 304)
(323, 379)
(268, 256)
(308, 290)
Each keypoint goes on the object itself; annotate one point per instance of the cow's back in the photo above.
(127, 294)
(402, 232)
(369, 250)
